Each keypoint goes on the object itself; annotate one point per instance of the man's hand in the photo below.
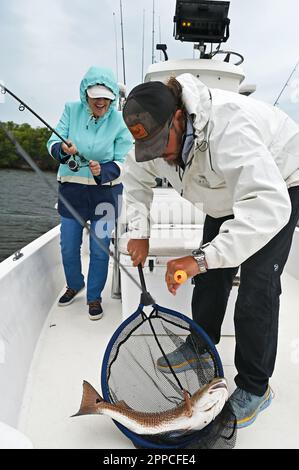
(95, 168)
(72, 150)
(187, 264)
(138, 250)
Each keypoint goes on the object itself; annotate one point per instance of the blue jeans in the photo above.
(70, 241)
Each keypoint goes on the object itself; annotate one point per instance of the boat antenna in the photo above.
(122, 40)
(142, 61)
(286, 84)
(116, 46)
(160, 40)
(153, 34)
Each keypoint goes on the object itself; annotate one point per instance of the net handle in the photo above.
(145, 299)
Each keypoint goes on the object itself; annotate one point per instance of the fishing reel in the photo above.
(76, 162)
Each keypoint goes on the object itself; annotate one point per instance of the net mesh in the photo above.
(138, 373)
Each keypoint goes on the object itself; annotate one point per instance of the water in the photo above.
(27, 209)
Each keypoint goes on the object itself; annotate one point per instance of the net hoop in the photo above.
(137, 440)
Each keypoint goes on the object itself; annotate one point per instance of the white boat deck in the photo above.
(71, 349)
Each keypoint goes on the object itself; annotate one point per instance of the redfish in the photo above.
(194, 413)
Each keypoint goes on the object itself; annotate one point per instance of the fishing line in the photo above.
(146, 298)
(70, 208)
(200, 373)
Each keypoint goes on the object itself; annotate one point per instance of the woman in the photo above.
(94, 128)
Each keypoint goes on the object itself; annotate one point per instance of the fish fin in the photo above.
(90, 401)
(188, 404)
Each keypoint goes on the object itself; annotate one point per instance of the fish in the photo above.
(192, 414)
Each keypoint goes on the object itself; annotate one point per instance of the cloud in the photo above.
(47, 46)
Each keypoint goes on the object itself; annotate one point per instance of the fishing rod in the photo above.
(142, 59)
(116, 46)
(153, 34)
(23, 154)
(72, 163)
(286, 84)
(122, 40)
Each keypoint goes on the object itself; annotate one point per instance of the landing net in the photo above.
(136, 371)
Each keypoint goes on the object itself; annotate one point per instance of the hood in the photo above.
(100, 76)
(198, 101)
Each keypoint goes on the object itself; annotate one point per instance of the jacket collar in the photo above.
(198, 102)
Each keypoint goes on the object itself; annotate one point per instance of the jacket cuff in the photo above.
(213, 258)
(58, 153)
(110, 171)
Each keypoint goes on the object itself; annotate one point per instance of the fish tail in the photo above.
(90, 401)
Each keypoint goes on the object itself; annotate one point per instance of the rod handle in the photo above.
(180, 276)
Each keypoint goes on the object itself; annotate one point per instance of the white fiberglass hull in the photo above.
(46, 352)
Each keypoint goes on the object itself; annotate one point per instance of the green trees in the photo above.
(33, 140)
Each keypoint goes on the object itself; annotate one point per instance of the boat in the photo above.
(46, 351)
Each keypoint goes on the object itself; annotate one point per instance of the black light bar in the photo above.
(201, 21)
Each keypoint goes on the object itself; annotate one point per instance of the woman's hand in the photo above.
(138, 250)
(187, 264)
(72, 150)
(95, 168)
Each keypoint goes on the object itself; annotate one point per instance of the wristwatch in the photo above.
(199, 256)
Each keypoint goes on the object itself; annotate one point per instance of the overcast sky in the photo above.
(46, 46)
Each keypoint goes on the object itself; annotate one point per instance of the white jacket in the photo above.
(251, 159)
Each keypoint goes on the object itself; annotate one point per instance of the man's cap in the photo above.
(100, 91)
(147, 113)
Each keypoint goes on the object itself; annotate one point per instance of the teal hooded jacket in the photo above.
(105, 139)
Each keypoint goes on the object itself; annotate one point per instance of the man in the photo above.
(239, 158)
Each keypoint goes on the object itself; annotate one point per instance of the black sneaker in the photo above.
(67, 297)
(95, 310)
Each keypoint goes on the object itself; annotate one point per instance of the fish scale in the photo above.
(205, 404)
